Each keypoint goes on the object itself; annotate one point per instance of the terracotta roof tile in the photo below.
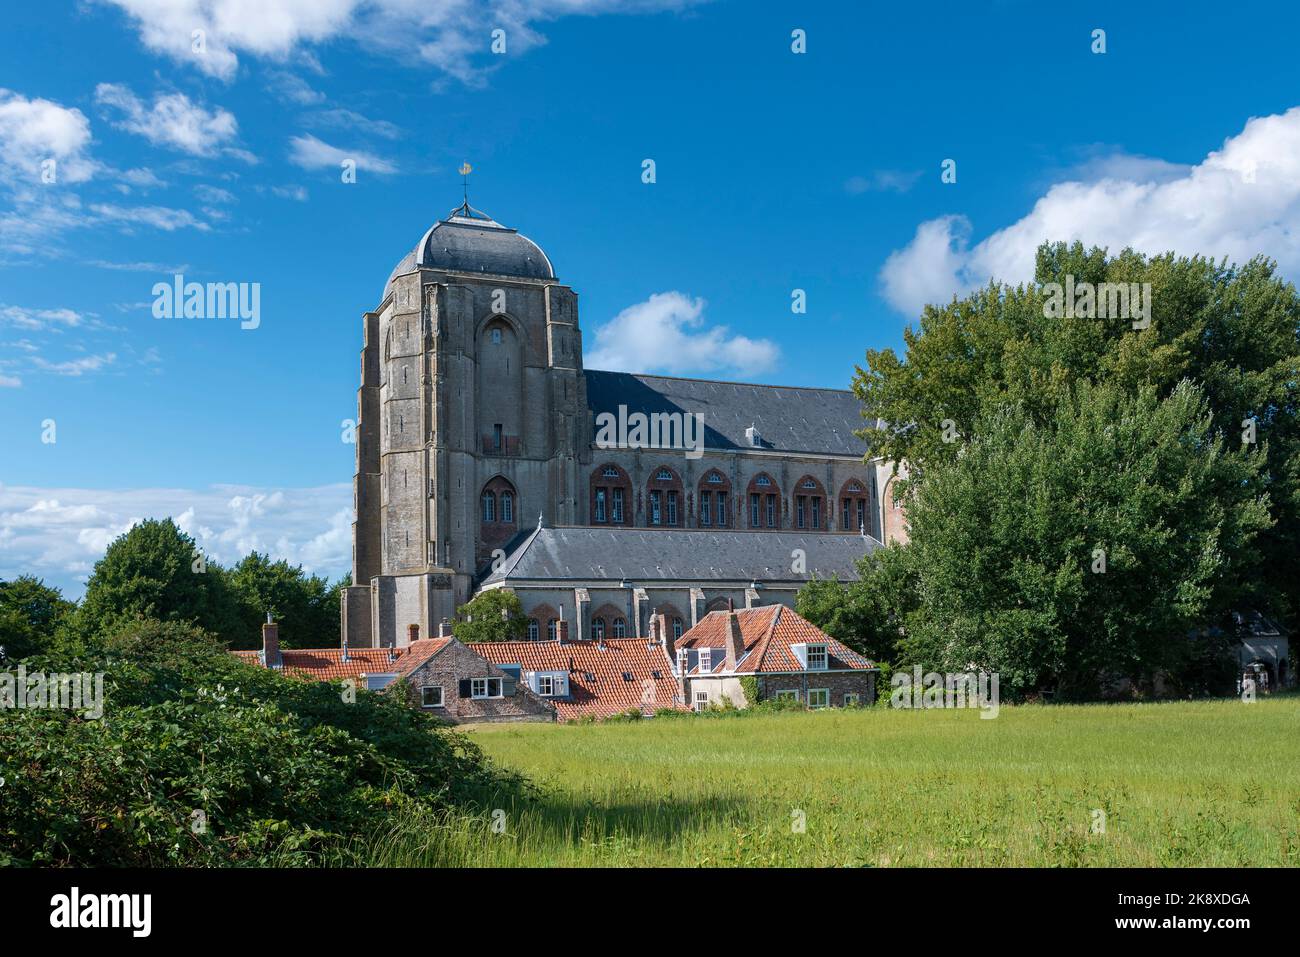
(597, 685)
(768, 633)
(327, 664)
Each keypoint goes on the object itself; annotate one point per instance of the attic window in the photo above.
(627, 676)
(706, 660)
(816, 657)
(658, 675)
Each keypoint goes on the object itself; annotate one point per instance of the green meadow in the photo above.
(1207, 783)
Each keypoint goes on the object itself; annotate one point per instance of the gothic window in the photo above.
(598, 629)
(609, 490)
(620, 628)
(808, 507)
(800, 506)
(755, 504)
(618, 505)
(853, 505)
(534, 630)
(489, 507)
(507, 507)
(600, 505)
(609, 472)
(496, 337)
(672, 507)
(655, 515)
(763, 480)
(714, 479)
(550, 629)
(771, 511)
(677, 628)
(706, 508)
(663, 475)
(722, 510)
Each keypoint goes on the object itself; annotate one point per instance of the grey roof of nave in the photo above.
(788, 418)
(643, 555)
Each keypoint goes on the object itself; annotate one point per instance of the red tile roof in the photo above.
(597, 685)
(327, 664)
(768, 632)
(417, 653)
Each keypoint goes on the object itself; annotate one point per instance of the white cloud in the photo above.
(10, 382)
(1240, 201)
(159, 217)
(884, 181)
(351, 120)
(311, 153)
(451, 35)
(59, 533)
(173, 120)
(76, 367)
(667, 333)
(36, 130)
(25, 318)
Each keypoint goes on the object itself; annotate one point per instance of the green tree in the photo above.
(30, 612)
(869, 614)
(155, 571)
(1231, 330)
(493, 615)
(307, 606)
(1065, 554)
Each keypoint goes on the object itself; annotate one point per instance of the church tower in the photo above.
(471, 415)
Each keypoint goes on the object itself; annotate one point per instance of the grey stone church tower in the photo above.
(477, 466)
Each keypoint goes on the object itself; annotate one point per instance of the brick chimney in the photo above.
(271, 644)
(660, 630)
(412, 634)
(735, 640)
(562, 631)
(444, 629)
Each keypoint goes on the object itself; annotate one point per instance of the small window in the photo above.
(809, 483)
(851, 700)
(598, 629)
(855, 487)
(496, 437)
(706, 660)
(600, 505)
(787, 694)
(722, 509)
(677, 628)
(771, 511)
(819, 697)
(620, 628)
(672, 507)
(534, 630)
(550, 629)
(485, 688)
(656, 509)
(546, 685)
(496, 337)
(714, 478)
(701, 701)
(706, 508)
(663, 475)
(763, 481)
(431, 696)
(489, 507)
(610, 472)
(754, 506)
(507, 507)
(816, 657)
(617, 512)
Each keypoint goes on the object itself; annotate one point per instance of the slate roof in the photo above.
(469, 241)
(768, 632)
(605, 678)
(584, 553)
(788, 419)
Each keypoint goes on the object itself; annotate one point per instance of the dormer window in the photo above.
(817, 657)
(706, 660)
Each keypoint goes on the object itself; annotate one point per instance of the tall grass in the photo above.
(1188, 783)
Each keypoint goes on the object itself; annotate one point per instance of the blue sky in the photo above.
(775, 171)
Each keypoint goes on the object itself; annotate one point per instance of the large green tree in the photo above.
(1064, 554)
(155, 571)
(307, 606)
(1233, 331)
(30, 612)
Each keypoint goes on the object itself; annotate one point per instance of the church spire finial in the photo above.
(465, 170)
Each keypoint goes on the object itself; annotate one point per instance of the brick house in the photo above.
(447, 678)
(786, 654)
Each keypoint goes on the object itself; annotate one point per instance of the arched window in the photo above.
(809, 504)
(507, 507)
(714, 502)
(611, 496)
(853, 505)
(664, 498)
(489, 507)
(550, 629)
(677, 628)
(764, 502)
(534, 630)
(598, 628)
(620, 628)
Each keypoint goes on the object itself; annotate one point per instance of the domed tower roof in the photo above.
(471, 241)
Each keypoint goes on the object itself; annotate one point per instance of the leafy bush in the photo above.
(200, 760)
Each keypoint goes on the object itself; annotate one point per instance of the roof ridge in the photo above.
(756, 385)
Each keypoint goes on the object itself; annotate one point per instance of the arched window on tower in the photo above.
(507, 507)
(489, 507)
(620, 628)
(534, 630)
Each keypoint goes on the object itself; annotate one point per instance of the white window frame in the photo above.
(825, 658)
(706, 661)
(424, 696)
(486, 693)
(546, 685)
(701, 700)
(823, 694)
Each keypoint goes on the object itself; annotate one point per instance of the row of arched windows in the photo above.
(612, 502)
(602, 627)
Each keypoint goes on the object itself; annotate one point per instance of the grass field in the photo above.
(1184, 783)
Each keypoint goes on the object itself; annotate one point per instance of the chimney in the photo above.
(683, 682)
(444, 629)
(412, 634)
(659, 628)
(562, 631)
(735, 640)
(271, 645)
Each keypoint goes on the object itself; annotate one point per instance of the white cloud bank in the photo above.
(667, 334)
(59, 533)
(173, 120)
(35, 130)
(1240, 201)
